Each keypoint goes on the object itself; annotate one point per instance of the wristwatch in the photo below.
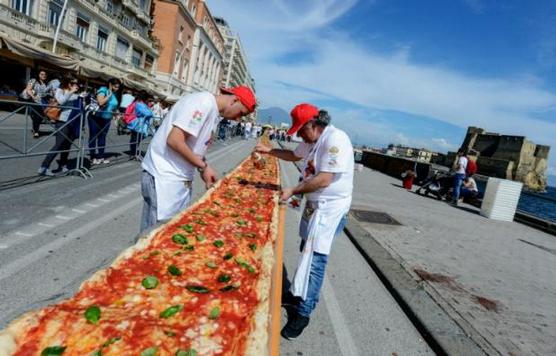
(202, 169)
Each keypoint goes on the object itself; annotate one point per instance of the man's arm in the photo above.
(286, 155)
(176, 141)
(321, 180)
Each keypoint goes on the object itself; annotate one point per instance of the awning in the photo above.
(26, 50)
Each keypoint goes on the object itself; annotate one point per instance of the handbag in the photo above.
(53, 111)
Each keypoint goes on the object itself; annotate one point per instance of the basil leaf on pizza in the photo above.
(180, 239)
(151, 351)
(190, 352)
(174, 271)
(214, 313)
(197, 289)
(53, 351)
(92, 314)
(173, 310)
(218, 243)
(150, 282)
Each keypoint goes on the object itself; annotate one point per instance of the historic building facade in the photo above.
(236, 71)
(96, 39)
(191, 47)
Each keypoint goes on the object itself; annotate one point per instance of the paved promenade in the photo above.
(497, 280)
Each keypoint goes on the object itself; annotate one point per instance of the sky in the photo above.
(413, 72)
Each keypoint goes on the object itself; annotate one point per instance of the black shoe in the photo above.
(295, 326)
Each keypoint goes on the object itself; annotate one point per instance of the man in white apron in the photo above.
(179, 146)
(327, 183)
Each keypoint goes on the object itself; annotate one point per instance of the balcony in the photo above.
(134, 7)
(28, 25)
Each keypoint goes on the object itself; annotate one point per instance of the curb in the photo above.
(440, 331)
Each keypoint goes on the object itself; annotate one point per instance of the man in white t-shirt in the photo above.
(459, 168)
(178, 149)
(327, 182)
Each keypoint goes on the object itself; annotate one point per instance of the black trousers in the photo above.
(64, 139)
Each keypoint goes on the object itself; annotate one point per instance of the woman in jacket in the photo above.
(139, 127)
(66, 96)
(99, 122)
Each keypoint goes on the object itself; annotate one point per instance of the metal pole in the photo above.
(59, 25)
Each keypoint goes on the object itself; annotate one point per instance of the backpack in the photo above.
(471, 168)
(130, 113)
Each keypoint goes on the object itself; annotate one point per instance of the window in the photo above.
(136, 57)
(149, 62)
(82, 27)
(23, 6)
(109, 6)
(102, 39)
(180, 35)
(54, 12)
(143, 4)
(177, 63)
(126, 21)
(122, 46)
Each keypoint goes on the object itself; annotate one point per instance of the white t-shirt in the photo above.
(335, 155)
(196, 114)
(462, 163)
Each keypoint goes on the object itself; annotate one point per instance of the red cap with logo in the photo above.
(244, 94)
(302, 114)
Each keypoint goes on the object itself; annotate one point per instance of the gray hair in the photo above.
(322, 119)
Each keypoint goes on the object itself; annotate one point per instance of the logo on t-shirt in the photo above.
(196, 118)
(333, 155)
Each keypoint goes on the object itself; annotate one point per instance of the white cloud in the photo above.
(341, 67)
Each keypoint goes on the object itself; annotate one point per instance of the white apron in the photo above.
(317, 228)
(171, 197)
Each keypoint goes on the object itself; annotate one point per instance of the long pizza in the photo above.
(198, 285)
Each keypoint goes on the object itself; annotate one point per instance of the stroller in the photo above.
(438, 185)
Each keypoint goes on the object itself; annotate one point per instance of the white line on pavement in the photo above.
(104, 200)
(19, 264)
(45, 225)
(339, 325)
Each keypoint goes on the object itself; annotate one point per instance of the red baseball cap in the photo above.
(244, 94)
(302, 114)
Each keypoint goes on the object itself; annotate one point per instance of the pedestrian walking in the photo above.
(327, 182)
(178, 148)
(460, 168)
(65, 96)
(99, 121)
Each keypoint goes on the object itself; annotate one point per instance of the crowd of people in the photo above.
(60, 102)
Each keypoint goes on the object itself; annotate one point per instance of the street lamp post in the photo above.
(57, 33)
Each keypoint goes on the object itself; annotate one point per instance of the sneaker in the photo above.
(43, 171)
(61, 170)
(295, 326)
(96, 161)
(105, 161)
(35, 135)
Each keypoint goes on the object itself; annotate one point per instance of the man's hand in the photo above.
(209, 176)
(286, 194)
(262, 148)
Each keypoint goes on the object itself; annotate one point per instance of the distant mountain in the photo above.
(273, 116)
